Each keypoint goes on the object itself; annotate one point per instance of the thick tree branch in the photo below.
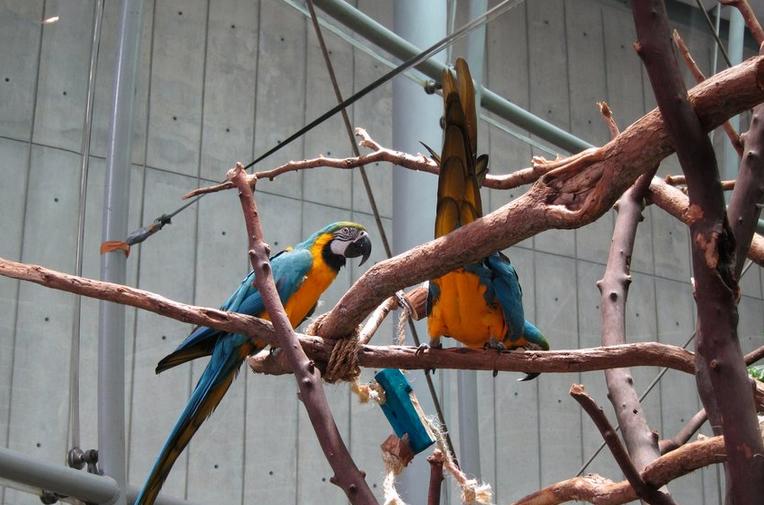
(676, 203)
(743, 214)
(646, 492)
(569, 196)
(318, 349)
(614, 289)
(600, 491)
(346, 474)
(696, 421)
(560, 361)
(721, 371)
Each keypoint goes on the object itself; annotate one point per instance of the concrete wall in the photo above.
(222, 80)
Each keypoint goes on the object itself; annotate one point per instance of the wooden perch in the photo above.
(347, 476)
(563, 198)
(645, 491)
(579, 360)
(721, 373)
(676, 203)
(600, 491)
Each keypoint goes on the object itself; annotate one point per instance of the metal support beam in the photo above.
(403, 49)
(22, 472)
(34, 473)
(111, 324)
(415, 117)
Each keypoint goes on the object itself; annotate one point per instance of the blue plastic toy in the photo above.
(403, 410)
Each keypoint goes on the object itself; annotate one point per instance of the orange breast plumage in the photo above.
(461, 311)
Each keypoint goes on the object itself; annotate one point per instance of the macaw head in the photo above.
(339, 241)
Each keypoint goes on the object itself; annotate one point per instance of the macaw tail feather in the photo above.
(534, 337)
(199, 343)
(212, 386)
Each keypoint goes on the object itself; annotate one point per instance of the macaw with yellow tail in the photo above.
(480, 304)
(301, 274)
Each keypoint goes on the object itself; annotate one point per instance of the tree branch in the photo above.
(562, 198)
(614, 289)
(347, 476)
(699, 77)
(721, 371)
(578, 360)
(676, 203)
(681, 180)
(600, 491)
(749, 17)
(644, 491)
(742, 213)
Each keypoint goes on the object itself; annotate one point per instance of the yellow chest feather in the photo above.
(461, 311)
(315, 282)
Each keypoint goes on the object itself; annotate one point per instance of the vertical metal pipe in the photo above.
(87, 129)
(415, 118)
(111, 327)
(469, 436)
(731, 161)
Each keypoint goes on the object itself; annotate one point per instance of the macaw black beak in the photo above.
(359, 247)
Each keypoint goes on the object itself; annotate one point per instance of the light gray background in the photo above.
(221, 80)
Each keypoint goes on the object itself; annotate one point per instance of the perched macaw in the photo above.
(480, 304)
(301, 274)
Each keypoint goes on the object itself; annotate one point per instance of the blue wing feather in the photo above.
(228, 352)
(505, 285)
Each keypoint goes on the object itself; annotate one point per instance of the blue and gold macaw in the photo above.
(480, 304)
(301, 274)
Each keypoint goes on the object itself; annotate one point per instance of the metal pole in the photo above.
(401, 48)
(111, 327)
(469, 436)
(415, 118)
(30, 475)
(37, 474)
(87, 129)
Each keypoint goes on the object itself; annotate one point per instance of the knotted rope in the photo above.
(473, 491)
(343, 362)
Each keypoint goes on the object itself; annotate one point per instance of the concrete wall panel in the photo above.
(679, 399)
(177, 79)
(229, 98)
(281, 96)
(13, 171)
(44, 316)
(62, 84)
(20, 38)
(327, 186)
(167, 266)
(375, 113)
(559, 415)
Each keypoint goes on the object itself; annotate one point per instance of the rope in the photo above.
(343, 362)
(473, 492)
(393, 467)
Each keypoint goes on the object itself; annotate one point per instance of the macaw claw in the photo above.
(495, 345)
(528, 377)
(433, 344)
